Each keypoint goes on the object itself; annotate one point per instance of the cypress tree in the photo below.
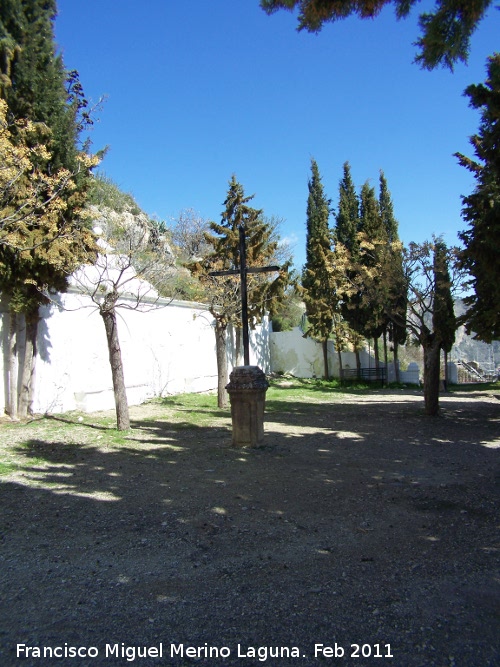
(319, 295)
(386, 210)
(372, 315)
(443, 316)
(394, 280)
(371, 223)
(347, 227)
(347, 222)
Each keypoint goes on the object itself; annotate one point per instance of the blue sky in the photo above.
(196, 91)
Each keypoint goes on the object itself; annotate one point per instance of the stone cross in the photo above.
(243, 271)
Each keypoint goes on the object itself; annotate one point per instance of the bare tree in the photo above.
(127, 273)
(188, 235)
(424, 276)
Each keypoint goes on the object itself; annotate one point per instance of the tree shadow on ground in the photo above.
(357, 517)
(358, 427)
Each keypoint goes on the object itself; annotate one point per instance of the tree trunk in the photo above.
(339, 355)
(376, 353)
(386, 364)
(358, 363)
(396, 362)
(238, 356)
(11, 407)
(446, 375)
(115, 360)
(222, 378)
(28, 367)
(432, 348)
(325, 359)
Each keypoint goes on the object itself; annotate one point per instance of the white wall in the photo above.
(303, 357)
(165, 350)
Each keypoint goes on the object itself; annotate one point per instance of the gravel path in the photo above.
(360, 526)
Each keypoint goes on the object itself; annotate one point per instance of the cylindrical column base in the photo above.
(247, 392)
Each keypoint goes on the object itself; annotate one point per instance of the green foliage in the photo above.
(36, 85)
(289, 313)
(318, 212)
(368, 254)
(7, 468)
(223, 292)
(445, 32)
(347, 220)
(396, 286)
(481, 210)
(372, 310)
(291, 389)
(371, 223)
(443, 316)
(345, 234)
(37, 88)
(194, 409)
(488, 387)
(386, 210)
(103, 192)
(431, 271)
(318, 292)
(265, 291)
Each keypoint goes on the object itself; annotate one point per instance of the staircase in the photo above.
(469, 373)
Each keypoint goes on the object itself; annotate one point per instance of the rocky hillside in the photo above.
(466, 348)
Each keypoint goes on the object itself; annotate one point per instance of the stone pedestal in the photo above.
(247, 392)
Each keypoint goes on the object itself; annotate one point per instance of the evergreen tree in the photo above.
(223, 292)
(393, 276)
(368, 251)
(372, 307)
(371, 223)
(446, 31)
(386, 210)
(36, 85)
(347, 217)
(481, 210)
(443, 315)
(346, 244)
(49, 241)
(319, 295)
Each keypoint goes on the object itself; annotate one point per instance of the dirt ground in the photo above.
(360, 533)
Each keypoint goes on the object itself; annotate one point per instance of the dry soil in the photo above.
(360, 527)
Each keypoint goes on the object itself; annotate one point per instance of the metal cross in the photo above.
(243, 271)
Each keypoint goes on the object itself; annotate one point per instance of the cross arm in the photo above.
(253, 269)
(262, 269)
(224, 273)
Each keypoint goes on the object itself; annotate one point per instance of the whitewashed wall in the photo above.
(166, 350)
(303, 357)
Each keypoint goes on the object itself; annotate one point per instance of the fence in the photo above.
(365, 374)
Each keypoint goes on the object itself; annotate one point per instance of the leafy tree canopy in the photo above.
(445, 32)
(481, 209)
(221, 252)
(40, 242)
(443, 317)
